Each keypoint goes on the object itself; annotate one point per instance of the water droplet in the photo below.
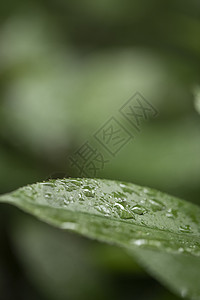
(181, 250)
(69, 200)
(48, 195)
(156, 205)
(139, 210)
(80, 197)
(119, 195)
(103, 209)
(122, 185)
(148, 243)
(125, 214)
(119, 205)
(68, 225)
(122, 212)
(185, 228)
(139, 242)
(89, 193)
(171, 213)
(71, 188)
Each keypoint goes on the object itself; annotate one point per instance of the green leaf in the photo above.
(162, 231)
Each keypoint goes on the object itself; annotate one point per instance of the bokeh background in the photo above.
(65, 68)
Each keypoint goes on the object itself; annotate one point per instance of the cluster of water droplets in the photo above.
(157, 217)
(123, 201)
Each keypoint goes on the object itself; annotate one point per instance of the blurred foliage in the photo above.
(65, 68)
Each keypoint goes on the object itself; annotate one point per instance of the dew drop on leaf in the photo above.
(89, 193)
(185, 228)
(156, 205)
(139, 210)
(171, 213)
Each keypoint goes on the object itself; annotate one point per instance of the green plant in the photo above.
(160, 231)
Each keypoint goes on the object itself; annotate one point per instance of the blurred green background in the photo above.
(65, 68)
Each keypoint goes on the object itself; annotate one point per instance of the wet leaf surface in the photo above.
(161, 231)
